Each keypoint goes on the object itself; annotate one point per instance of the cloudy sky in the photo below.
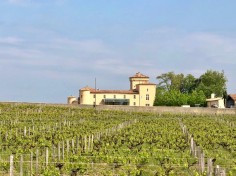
(49, 49)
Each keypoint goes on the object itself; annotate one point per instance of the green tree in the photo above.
(212, 82)
(178, 89)
(165, 80)
(189, 84)
(170, 98)
(171, 81)
(197, 97)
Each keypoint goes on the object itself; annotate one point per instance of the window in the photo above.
(104, 96)
(124, 96)
(134, 103)
(134, 96)
(94, 96)
(81, 96)
(147, 90)
(147, 96)
(114, 96)
(147, 105)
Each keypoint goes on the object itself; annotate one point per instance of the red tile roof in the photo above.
(114, 91)
(139, 75)
(233, 96)
(87, 88)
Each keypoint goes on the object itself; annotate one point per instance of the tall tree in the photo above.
(165, 80)
(213, 82)
(171, 81)
(189, 84)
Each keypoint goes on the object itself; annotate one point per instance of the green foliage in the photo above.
(153, 144)
(177, 89)
(176, 98)
(212, 82)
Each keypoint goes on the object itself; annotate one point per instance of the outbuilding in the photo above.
(231, 101)
(215, 102)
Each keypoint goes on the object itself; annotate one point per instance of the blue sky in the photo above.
(49, 49)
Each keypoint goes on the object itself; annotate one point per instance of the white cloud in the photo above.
(25, 2)
(10, 40)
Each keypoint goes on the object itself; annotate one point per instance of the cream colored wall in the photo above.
(85, 97)
(135, 81)
(219, 103)
(71, 99)
(134, 99)
(145, 90)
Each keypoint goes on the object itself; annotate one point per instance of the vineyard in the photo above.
(70, 141)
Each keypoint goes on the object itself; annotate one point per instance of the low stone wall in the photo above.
(155, 109)
(172, 110)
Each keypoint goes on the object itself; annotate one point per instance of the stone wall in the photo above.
(155, 109)
(172, 110)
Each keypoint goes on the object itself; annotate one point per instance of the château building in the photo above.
(141, 93)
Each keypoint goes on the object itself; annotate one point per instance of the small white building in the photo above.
(215, 102)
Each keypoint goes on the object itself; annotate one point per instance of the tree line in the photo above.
(179, 89)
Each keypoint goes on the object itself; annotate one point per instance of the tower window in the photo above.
(147, 96)
(114, 96)
(134, 96)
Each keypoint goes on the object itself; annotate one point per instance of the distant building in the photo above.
(141, 93)
(231, 101)
(72, 100)
(215, 102)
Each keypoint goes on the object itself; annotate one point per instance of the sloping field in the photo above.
(57, 140)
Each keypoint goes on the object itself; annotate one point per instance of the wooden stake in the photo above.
(11, 165)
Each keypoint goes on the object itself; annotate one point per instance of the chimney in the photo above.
(212, 95)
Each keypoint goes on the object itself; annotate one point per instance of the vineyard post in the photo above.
(58, 151)
(191, 145)
(92, 142)
(37, 162)
(6, 136)
(46, 159)
(11, 165)
(217, 170)
(85, 143)
(222, 172)
(89, 143)
(63, 150)
(202, 162)
(67, 147)
(31, 163)
(25, 131)
(198, 155)
(73, 145)
(77, 144)
(21, 165)
(209, 167)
